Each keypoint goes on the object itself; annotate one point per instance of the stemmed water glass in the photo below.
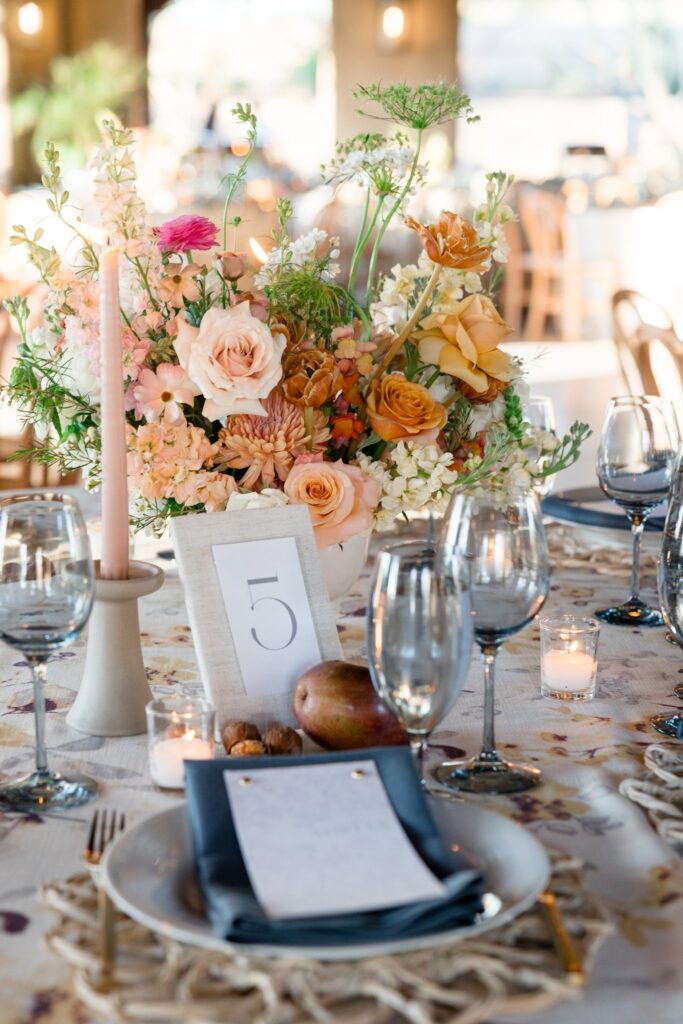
(46, 593)
(504, 549)
(539, 412)
(636, 459)
(419, 633)
(670, 587)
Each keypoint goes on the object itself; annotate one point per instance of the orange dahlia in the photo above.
(266, 446)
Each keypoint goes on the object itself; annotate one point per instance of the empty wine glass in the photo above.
(670, 587)
(46, 594)
(419, 632)
(505, 552)
(539, 411)
(636, 459)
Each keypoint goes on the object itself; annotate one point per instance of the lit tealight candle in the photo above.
(570, 671)
(167, 757)
(569, 657)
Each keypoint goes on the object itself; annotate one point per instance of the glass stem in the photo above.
(637, 526)
(39, 674)
(488, 752)
(418, 745)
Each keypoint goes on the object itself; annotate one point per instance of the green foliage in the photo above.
(80, 87)
(514, 416)
(416, 106)
(412, 360)
(301, 294)
(567, 452)
(458, 425)
(243, 114)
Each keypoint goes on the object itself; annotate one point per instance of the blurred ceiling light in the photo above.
(259, 252)
(393, 24)
(30, 19)
(260, 190)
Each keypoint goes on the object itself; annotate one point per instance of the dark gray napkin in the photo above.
(229, 899)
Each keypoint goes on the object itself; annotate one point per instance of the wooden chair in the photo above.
(650, 352)
(515, 285)
(556, 274)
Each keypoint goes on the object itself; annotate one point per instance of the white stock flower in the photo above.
(484, 416)
(41, 342)
(269, 497)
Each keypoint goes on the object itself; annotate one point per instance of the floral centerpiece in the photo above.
(255, 386)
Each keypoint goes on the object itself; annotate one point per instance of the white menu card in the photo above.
(334, 844)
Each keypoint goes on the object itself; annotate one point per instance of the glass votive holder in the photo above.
(569, 657)
(178, 729)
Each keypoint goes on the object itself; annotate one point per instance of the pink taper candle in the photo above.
(114, 559)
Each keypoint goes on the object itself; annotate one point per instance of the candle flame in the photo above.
(258, 250)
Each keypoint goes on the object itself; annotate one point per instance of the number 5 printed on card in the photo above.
(278, 600)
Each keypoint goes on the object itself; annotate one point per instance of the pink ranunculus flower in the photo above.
(189, 231)
(340, 499)
(163, 394)
(232, 358)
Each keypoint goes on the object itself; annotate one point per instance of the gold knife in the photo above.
(563, 944)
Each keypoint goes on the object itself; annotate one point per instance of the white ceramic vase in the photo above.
(114, 689)
(342, 564)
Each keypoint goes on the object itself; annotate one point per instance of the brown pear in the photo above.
(338, 707)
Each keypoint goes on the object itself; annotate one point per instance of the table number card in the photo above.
(258, 607)
(265, 598)
(334, 843)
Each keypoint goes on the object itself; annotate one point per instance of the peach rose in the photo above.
(400, 410)
(340, 499)
(464, 343)
(232, 358)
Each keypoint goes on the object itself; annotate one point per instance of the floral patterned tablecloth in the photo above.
(584, 751)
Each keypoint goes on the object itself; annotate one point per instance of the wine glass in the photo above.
(46, 594)
(670, 587)
(504, 549)
(636, 459)
(539, 412)
(419, 633)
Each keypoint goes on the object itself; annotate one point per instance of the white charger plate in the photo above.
(149, 874)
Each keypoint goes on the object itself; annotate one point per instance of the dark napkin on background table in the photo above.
(229, 899)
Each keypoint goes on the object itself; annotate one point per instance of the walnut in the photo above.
(235, 732)
(247, 748)
(283, 740)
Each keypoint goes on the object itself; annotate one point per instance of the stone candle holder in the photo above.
(114, 689)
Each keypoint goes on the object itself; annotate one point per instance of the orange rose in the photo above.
(464, 344)
(452, 242)
(399, 410)
(310, 377)
(340, 499)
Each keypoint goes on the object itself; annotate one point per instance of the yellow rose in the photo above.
(464, 343)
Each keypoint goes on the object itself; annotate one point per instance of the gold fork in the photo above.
(104, 828)
(571, 964)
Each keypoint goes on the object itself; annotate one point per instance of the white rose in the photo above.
(233, 359)
(269, 497)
